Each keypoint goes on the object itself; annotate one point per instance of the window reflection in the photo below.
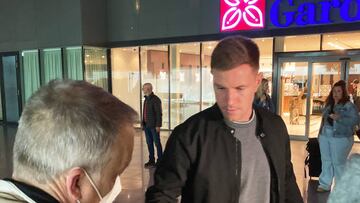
(51, 64)
(266, 48)
(30, 72)
(342, 41)
(73, 63)
(297, 43)
(293, 93)
(96, 66)
(155, 70)
(208, 96)
(324, 76)
(354, 84)
(126, 76)
(185, 81)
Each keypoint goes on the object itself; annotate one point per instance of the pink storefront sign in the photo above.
(242, 14)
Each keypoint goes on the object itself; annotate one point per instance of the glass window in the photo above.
(297, 43)
(266, 51)
(324, 76)
(353, 86)
(30, 72)
(155, 70)
(73, 63)
(208, 96)
(185, 81)
(96, 71)
(293, 91)
(51, 65)
(342, 41)
(126, 75)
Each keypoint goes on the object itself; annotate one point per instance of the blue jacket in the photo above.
(344, 126)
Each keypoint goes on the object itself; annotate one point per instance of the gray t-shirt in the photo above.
(255, 170)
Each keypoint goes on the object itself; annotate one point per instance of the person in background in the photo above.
(230, 152)
(355, 97)
(73, 141)
(336, 134)
(262, 96)
(347, 188)
(151, 123)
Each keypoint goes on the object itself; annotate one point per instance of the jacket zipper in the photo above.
(236, 158)
(237, 174)
(271, 167)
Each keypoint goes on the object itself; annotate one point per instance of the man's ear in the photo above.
(259, 78)
(73, 183)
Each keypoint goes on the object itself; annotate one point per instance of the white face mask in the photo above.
(109, 197)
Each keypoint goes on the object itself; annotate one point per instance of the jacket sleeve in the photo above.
(292, 193)
(158, 112)
(350, 116)
(171, 173)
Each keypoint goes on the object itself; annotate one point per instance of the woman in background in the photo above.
(262, 97)
(336, 134)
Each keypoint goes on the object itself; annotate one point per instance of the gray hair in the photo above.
(347, 188)
(148, 84)
(67, 124)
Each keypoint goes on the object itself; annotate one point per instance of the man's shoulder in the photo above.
(269, 120)
(267, 116)
(9, 193)
(211, 114)
(155, 97)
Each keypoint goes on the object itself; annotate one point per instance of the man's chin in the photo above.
(235, 117)
(231, 117)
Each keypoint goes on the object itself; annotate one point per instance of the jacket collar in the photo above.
(215, 113)
(27, 192)
(150, 95)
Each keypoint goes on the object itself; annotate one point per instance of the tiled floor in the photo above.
(136, 179)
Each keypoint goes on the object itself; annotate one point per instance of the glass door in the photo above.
(324, 76)
(354, 82)
(293, 91)
(304, 81)
(10, 88)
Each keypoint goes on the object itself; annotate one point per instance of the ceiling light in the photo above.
(336, 46)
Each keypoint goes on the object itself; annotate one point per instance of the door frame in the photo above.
(342, 56)
(18, 81)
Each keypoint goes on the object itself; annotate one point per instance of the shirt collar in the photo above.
(34, 193)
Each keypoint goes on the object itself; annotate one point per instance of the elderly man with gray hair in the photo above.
(73, 141)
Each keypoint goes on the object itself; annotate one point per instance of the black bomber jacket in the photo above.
(202, 161)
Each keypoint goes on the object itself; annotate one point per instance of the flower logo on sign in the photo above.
(242, 14)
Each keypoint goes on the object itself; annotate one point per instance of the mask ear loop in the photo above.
(92, 183)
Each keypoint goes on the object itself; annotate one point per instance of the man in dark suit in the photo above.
(152, 120)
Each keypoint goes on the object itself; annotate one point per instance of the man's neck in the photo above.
(53, 188)
(251, 117)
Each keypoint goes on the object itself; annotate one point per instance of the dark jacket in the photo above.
(153, 111)
(12, 191)
(202, 161)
